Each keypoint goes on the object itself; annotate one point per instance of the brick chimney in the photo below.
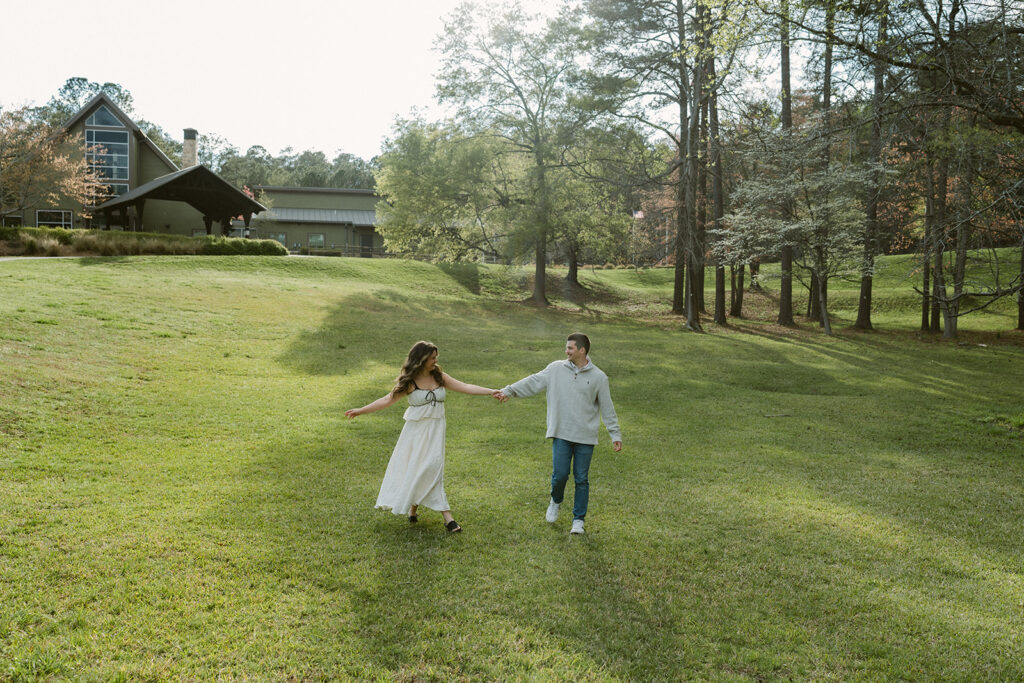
(188, 154)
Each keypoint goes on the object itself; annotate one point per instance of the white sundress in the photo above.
(415, 473)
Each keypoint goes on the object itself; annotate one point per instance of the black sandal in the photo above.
(453, 526)
(413, 519)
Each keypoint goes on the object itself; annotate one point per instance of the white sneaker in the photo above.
(577, 526)
(552, 514)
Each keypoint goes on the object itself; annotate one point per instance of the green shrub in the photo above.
(271, 248)
(230, 246)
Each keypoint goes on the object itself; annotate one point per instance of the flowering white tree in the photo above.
(824, 220)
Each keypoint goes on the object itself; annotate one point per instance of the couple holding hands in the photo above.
(577, 399)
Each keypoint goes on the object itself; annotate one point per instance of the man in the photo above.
(578, 398)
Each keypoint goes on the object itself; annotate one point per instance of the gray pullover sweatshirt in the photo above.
(578, 398)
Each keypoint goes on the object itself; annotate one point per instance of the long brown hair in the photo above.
(418, 356)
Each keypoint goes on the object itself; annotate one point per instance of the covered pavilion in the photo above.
(199, 187)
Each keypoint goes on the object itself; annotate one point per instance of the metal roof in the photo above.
(316, 190)
(320, 216)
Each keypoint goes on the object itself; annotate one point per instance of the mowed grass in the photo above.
(182, 498)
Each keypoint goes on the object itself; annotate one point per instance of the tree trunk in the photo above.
(929, 229)
(817, 302)
(786, 285)
(679, 285)
(573, 276)
(737, 293)
(871, 229)
(717, 190)
(963, 231)
(702, 200)
(812, 299)
(540, 270)
(755, 275)
(690, 175)
(938, 243)
(542, 222)
(823, 303)
(1020, 293)
(732, 287)
(679, 293)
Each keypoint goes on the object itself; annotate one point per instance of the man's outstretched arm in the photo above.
(528, 386)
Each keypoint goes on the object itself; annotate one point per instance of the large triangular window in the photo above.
(103, 117)
(107, 152)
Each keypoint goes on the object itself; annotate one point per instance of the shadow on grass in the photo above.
(466, 274)
(383, 325)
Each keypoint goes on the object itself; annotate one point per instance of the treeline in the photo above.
(713, 135)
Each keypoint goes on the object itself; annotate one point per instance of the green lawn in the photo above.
(182, 498)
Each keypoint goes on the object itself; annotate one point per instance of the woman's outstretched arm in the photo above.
(382, 402)
(455, 385)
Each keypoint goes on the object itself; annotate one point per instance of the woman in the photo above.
(415, 473)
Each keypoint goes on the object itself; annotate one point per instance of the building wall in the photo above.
(300, 199)
(348, 238)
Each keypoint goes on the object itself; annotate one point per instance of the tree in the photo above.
(786, 267)
(212, 151)
(652, 63)
(972, 49)
(511, 76)
(872, 228)
(447, 194)
(40, 166)
(75, 94)
(350, 171)
(794, 201)
(169, 145)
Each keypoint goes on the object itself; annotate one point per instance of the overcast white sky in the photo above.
(330, 75)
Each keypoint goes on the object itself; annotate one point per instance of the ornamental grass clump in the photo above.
(40, 246)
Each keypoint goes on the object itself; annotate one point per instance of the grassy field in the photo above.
(182, 498)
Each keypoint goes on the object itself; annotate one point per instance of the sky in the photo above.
(328, 75)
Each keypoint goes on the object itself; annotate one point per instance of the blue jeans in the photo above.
(562, 454)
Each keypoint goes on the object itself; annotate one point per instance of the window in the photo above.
(54, 219)
(316, 240)
(107, 153)
(279, 236)
(11, 221)
(104, 117)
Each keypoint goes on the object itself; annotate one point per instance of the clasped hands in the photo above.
(497, 394)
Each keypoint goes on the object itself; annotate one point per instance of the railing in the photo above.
(353, 251)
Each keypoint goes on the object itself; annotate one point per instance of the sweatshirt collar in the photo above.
(572, 366)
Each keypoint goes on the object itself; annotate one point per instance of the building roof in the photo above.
(197, 186)
(316, 190)
(102, 98)
(345, 216)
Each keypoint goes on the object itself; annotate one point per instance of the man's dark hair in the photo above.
(580, 339)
